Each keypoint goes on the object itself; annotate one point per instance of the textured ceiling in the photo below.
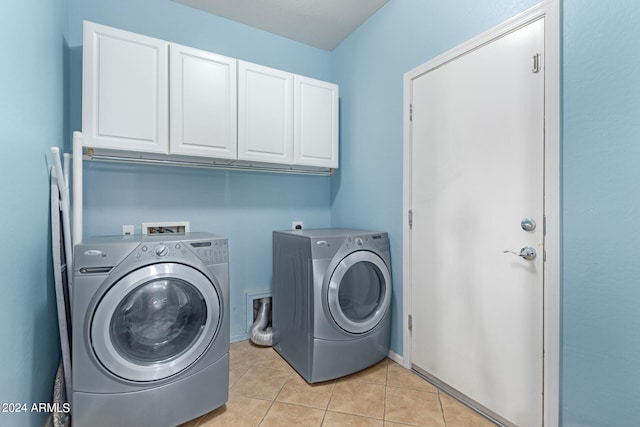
(320, 23)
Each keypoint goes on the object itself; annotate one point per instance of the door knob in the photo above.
(528, 224)
(527, 252)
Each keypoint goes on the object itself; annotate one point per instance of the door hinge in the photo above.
(410, 112)
(536, 63)
(410, 218)
(410, 323)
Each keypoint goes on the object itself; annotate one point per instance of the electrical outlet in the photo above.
(297, 225)
(127, 230)
(179, 227)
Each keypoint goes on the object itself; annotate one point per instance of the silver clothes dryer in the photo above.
(150, 317)
(331, 300)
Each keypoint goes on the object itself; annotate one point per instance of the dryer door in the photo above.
(155, 322)
(359, 292)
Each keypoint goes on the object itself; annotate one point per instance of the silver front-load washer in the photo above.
(150, 318)
(331, 300)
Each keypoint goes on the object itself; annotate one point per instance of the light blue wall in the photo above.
(32, 113)
(244, 206)
(369, 66)
(601, 168)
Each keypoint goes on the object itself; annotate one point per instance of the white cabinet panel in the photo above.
(265, 116)
(145, 95)
(203, 103)
(125, 90)
(315, 123)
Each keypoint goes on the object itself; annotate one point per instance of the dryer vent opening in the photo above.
(261, 333)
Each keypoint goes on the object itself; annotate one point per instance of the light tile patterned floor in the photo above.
(265, 391)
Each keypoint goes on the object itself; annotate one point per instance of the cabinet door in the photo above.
(125, 90)
(315, 123)
(203, 103)
(265, 116)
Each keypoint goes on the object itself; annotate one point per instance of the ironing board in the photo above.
(61, 272)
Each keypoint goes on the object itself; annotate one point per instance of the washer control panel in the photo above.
(212, 251)
(161, 250)
(209, 251)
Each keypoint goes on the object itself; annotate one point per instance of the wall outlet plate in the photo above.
(176, 227)
(297, 225)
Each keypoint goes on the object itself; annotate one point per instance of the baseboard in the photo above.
(240, 337)
(396, 358)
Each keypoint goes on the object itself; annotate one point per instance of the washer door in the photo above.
(359, 292)
(155, 322)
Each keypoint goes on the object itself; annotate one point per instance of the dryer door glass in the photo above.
(359, 292)
(155, 322)
(158, 320)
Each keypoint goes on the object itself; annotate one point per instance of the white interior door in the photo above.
(477, 171)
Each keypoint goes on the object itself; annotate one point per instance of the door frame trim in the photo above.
(550, 11)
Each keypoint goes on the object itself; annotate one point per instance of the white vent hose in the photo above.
(260, 334)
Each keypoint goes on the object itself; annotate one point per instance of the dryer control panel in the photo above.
(378, 241)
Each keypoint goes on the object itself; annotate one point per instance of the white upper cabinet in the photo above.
(203, 112)
(286, 118)
(144, 95)
(125, 90)
(265, 112)
(315, 123)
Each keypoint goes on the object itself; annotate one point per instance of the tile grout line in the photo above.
(202, 417)
(444, 418)
(273, 401)
(326, 409)
(386, 384)
(265, 414)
